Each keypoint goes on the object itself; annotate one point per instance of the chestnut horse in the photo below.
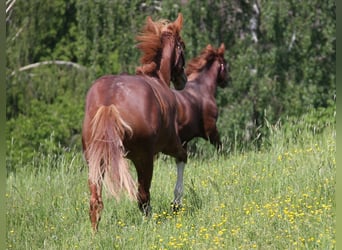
(197, 111)
(134, 116)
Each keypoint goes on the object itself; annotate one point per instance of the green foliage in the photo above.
(281, 75)
(290, 71)
(45, 128)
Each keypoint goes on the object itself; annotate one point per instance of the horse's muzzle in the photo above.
(180, 81)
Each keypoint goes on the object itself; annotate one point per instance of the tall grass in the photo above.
(282, 197)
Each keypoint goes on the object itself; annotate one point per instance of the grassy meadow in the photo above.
(281, 197)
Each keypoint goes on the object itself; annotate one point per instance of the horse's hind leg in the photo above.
(144, 169)
(96, 204)
(214, 139)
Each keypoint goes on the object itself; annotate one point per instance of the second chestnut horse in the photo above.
(197, 111)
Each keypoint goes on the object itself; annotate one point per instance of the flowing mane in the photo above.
(150, 43)
(197, 64)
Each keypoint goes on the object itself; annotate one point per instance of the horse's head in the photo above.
(223, 77)
(210, 59)
(163, 51)
(178, 76)
(173, 50)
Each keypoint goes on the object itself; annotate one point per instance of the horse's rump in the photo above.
(144, 103)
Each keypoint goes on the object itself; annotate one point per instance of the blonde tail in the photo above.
(106, 152)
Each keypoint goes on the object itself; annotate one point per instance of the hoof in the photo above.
(146, 209)
(176, 207)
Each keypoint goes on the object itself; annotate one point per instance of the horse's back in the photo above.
(143, 103)
(110, 88)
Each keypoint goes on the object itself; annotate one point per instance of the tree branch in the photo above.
(56, 62)
(10, 5)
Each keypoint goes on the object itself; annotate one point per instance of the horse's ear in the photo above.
(149, 19)
(179, 21)
(209, 47)
(221, 49)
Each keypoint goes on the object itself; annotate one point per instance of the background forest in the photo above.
(282, 58)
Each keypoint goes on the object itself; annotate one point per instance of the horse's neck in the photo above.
(162, 75)
(164, 72)
(207, 80)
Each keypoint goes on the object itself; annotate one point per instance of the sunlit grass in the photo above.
(282, 197)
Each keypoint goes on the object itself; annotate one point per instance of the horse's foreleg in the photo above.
(96, 204)
(178, 191)
(214, 139)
